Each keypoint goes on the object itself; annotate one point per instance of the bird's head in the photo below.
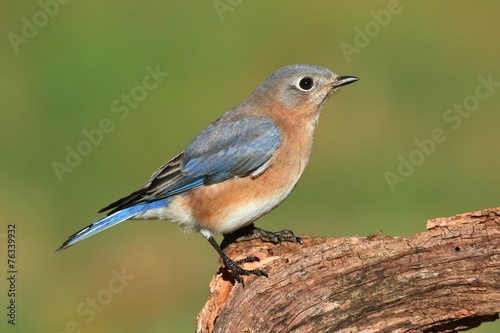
(303, 88)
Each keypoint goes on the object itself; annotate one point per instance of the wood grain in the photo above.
(441, 280)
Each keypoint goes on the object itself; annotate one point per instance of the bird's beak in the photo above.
(343, 81)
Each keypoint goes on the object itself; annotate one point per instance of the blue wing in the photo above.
(231, 150)
(224, 150)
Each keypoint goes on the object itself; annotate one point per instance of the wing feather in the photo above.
(222, 151)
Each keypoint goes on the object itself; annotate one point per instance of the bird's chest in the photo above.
(228, 206)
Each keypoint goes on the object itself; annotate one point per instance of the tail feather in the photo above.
(99, 225)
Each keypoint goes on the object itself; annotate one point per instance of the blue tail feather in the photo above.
(104, 223)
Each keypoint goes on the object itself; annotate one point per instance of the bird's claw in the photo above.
(274, 237)
(237, 271)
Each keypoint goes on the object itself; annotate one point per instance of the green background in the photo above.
(62, 81)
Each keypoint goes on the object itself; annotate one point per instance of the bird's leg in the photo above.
(247, 233)
(236, 270)
(251, 232)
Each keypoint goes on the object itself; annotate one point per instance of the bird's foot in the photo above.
(247, 233)
(237, 271)
(274, 237)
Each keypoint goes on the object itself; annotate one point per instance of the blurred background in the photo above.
(84, 122)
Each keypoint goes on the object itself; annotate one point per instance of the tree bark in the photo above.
(442, 280)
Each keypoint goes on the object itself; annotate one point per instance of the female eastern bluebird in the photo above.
(238, 168)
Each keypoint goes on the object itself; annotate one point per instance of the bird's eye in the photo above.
(306, 83)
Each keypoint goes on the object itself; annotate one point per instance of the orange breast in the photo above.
(230, 205)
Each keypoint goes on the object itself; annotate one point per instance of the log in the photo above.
(442, 280)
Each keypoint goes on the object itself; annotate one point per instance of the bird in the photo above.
(237, 169)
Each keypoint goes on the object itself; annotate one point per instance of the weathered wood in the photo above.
(441, 280)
